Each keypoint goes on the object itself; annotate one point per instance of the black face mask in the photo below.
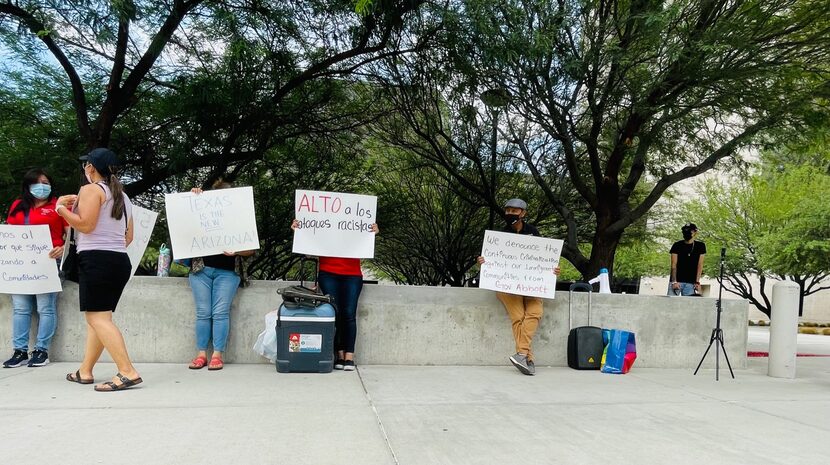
(512, 219)
(687, 234)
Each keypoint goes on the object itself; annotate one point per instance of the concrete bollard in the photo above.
(783, 330)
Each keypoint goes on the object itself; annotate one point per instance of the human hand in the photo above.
(375, 228)
(556, 271)
(295, 225)
(66, 200)
(57, 252)
(480, 260)
(228, 254)
(675, 285)
(196, 190)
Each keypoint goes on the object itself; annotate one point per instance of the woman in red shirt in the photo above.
(36, 205)
(342, 279)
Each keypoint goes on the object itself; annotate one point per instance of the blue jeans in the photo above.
(213, 290)
(685, 289)
(346, 291)
(24, 305)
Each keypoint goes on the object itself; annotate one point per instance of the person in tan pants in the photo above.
(524, 312)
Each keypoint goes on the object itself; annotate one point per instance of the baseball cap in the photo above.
(690, 226)
(516, 203)
(102, 159)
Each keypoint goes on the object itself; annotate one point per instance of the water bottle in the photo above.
(164, 261)
(602, 279)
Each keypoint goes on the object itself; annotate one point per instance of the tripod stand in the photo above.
(717, 333)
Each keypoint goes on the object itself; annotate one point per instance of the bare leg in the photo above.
(111, 338)
(348, 355)
(92, 352)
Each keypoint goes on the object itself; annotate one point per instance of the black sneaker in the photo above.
(19, 359)
(339, 364)
(348, 365)
(39, 359)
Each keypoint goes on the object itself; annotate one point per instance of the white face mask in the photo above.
(87, 175)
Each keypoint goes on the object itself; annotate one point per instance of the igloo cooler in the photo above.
(305, 339)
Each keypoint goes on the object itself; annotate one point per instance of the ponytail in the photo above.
(117, 190)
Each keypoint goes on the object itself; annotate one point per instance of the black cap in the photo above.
(103, 159)
(690, 227)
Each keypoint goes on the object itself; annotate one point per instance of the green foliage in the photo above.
(773, 223)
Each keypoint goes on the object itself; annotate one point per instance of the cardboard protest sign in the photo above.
(519, 264)
(25, 266)
(211, 222)
(143, 223)
(334, 224)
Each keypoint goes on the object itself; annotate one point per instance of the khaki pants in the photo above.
(524, 313)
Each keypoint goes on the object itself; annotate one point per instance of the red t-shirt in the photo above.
(341, 266)
(44, 214)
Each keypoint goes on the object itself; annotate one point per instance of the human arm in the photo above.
(57, 252)
(673, 277)
(130, 231)
(699, 271)
(89, 201)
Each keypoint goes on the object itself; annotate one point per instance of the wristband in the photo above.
(59, 206)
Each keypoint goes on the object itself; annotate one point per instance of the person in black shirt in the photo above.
(687, 263)
(214, 280)
(525, 312)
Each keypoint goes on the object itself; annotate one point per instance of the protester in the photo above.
(342, 278)
(35, 206)
(525, 312)
(102, 218)
(686, 263)
(214, 281)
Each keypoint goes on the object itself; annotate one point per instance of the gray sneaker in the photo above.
(520, 362)
(531, 367)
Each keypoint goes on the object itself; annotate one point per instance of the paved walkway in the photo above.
(813, 344)
(249, 414)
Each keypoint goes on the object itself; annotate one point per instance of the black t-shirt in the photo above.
(527, 229)
(221, 261)
(688, 256)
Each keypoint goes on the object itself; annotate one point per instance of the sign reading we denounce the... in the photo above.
(519, 264)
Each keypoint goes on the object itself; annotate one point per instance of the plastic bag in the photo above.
(266, 342)
(620, 351)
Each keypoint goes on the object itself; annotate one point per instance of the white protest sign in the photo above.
(519, 264)
(334, 224)
(211, 222)
(143, 223)
(25, 266)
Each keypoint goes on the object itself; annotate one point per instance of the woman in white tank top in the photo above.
(102, 216)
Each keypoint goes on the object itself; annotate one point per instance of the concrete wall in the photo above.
(407, 325)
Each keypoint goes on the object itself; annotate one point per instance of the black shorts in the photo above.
(102, 277)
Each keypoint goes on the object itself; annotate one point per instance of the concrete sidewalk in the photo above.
(249, 414)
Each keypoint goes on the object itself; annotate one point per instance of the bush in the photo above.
(808, 330)
(826, 331)
(762, 323)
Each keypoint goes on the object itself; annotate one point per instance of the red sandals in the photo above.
(198, 363)
(216, 363)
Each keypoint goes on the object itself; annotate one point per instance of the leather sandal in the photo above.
(76, 378)
(198, 363)
(126, 383)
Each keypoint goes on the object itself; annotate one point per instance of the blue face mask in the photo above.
(40, 191)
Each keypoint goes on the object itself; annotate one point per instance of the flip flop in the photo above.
(126, 383)
(76, 378)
